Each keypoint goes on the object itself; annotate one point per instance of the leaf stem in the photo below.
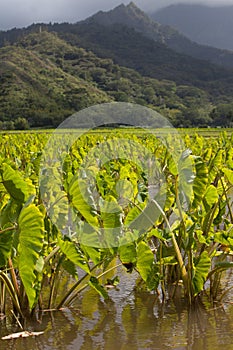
(184, 274)
(8, 229)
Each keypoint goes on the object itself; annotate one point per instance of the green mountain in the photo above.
(44, 79)
(32, 85)
(154, 59)
(133, 17)
(50, 71)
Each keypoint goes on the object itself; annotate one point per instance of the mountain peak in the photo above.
(132, 5)
(133, 17)
(119, 13)
(128, 15)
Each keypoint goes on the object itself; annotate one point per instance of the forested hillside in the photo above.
(50, 71)
(44, 79)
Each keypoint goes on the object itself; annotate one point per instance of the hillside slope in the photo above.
(153, 59)
(34, 87)
(44, 79)
(134, 17)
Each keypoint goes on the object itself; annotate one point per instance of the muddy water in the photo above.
(131, 319)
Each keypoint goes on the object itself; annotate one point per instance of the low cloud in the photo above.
(19, 13)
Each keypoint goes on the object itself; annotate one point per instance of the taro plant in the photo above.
(33, 252)
(71, 240)
(196, 247)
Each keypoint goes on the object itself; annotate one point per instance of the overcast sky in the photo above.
(19, 13)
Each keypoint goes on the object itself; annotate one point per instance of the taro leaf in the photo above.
(73, 254)
(6, 241)
(148, 216)
(111, 213)
(200, 237)
(211, 195)
(207, 154)
(201, 269)
(200, 182)
(10, 212)
(172, 166)
(229, 161)
(222, 238)
(160, 234)
(221, 212)
(145, 260)
(186, 174)
(92, 253)
(16, 186)
(134, 213)
(70, 267)
(128, 254)
(215, 164)
(40, 264)
(82, 200)
(31, 234)
(229, 174)
(94, 283)
(154, 278)
(169, 260)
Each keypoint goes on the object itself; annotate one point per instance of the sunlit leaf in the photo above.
(82, 201)
(128, 254)
(201, 269)
(229, 174)
(200, 182)
(31, 234)
(17, 187)
(71, 252)
(211, 195)
(145, 260)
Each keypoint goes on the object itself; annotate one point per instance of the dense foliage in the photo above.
(46, 77)
(187, 237)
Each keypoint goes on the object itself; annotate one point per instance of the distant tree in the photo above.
(8, 125)
(222, 115)
(21, 124)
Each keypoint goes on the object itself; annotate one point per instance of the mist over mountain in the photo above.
(206, 25)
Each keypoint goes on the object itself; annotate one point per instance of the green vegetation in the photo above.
(35, 88)
(184, 232)
(46, 76)
(44, 80)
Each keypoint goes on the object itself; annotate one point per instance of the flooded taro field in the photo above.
(132, 318)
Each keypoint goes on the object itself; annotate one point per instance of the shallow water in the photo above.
(131, 319)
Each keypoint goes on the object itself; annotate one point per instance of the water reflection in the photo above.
(132, 319)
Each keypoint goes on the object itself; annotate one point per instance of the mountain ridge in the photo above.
(207, 25)
(44, 79)
(134, 17)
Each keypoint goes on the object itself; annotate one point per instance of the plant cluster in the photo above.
(182, 234)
